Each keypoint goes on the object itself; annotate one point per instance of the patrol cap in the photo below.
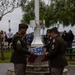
(23, 26)
(48, 30)
(54, 29)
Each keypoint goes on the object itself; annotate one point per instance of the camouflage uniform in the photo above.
(56, 54)
(19, 55)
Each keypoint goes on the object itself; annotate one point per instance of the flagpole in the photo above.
(37, 37)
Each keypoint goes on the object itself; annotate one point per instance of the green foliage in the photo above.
(62, 11)
(28, 12)
(7, 56)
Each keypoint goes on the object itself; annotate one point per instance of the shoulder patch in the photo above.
(53, 40)
(18, 42)
(52, 46)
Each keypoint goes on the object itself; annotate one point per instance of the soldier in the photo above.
(56, 53)
(46, 37)
(47, 40)
(20, 50)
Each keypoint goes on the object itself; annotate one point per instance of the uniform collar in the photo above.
(56, 36)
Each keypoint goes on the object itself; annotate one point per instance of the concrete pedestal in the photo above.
(11, 71)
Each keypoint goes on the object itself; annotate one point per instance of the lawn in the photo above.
(71, 62)
(7, 56)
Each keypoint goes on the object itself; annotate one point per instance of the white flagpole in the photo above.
(37, 37)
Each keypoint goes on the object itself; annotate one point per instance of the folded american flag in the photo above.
(37, 50)
(38, 55)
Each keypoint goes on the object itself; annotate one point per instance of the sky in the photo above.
(15, 18)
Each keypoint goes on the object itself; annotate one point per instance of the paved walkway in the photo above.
(71, 69)
(5, 66)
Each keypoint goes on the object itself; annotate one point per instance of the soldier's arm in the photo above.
(54, 48)
(19, 47)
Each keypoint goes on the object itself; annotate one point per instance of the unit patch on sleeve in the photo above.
(19, 42)
(53, 46)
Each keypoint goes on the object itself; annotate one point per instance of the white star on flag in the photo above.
(38, 55)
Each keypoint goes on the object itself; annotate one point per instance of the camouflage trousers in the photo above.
(20, 69)
(56, 71)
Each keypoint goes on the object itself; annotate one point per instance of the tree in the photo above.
(29, 14)
(55, 13)
(7, 6)
(64, 12)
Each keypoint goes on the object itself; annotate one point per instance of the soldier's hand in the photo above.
(44, 50)
(28, 46)
(32, 53)
(46, 53)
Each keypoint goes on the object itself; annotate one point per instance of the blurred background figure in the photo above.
(46, 37)
(9, 37)
(70, 38)
(5, 47)
(1, 39)
(64, 35)
(29, 38)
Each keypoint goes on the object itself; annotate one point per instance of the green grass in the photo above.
(7, 56)
(71, 62)
(5, 61)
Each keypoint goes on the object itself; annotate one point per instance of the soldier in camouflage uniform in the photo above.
(47, 40)
(20, 50)
(56, 54)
